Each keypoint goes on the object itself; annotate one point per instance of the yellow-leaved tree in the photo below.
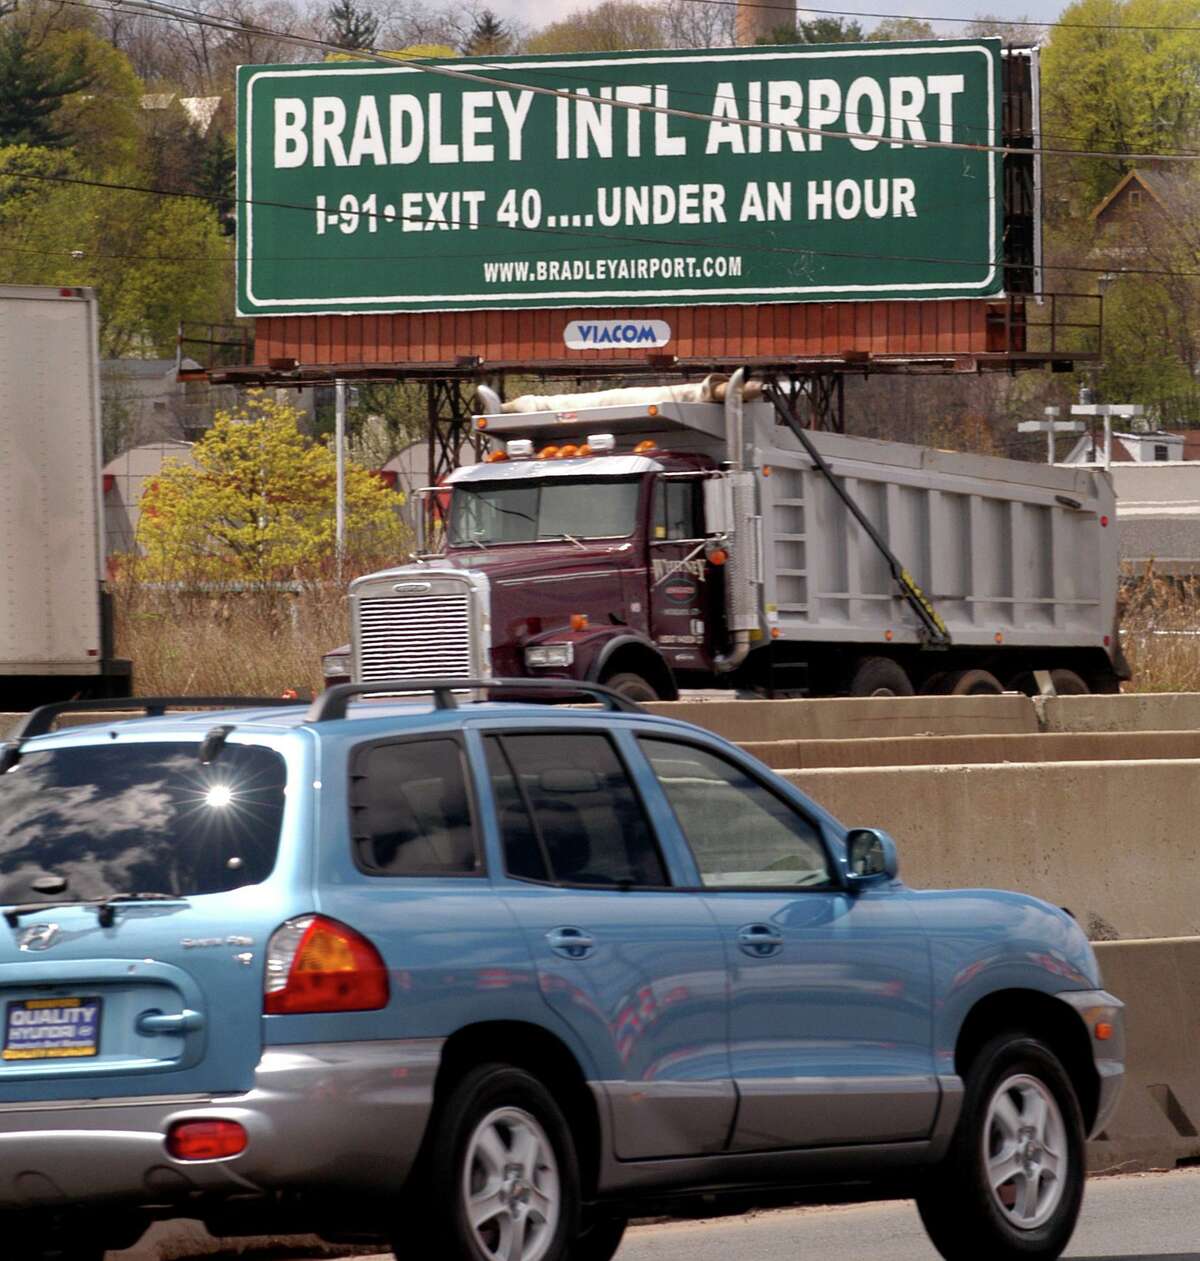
(257, 506)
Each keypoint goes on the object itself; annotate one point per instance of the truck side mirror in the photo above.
(718, 507)
(871, 855)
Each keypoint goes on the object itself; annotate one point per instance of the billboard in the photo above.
(723, 176)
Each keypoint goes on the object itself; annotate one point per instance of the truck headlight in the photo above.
(542, 655)
(336, 665)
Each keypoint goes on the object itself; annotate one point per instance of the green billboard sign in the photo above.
(738, 175)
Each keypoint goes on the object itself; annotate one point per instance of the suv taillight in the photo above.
(315, 964)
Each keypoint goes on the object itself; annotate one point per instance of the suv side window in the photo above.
(568, 813)
(410, 812)
(740, 832)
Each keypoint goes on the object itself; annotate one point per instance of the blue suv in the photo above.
(484, 978)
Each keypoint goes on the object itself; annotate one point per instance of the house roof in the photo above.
(1162, 187)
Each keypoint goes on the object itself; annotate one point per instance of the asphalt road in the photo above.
(1153, 1217)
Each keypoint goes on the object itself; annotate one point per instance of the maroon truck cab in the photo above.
(568, 563)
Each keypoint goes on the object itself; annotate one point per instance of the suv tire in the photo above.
(501, 1161)
(1019, 1114)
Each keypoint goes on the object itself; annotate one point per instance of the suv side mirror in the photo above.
(871, 855)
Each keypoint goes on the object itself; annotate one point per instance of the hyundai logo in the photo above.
(39, 937)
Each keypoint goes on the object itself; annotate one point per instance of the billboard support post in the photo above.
(339, 387)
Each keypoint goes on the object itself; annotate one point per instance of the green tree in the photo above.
(612, 26)
(257, 505)
(488, 37)
(351, 27)
(818, 31)
(153, 260)
(903, 28)
(34, 84)
(1120, 91)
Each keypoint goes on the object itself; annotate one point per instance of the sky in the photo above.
(534, 13)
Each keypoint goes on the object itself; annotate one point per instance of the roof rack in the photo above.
(333, 702)
(42, 719)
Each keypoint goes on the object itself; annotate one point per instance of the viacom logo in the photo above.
(590, 335)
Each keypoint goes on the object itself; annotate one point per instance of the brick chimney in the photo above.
(753, 21)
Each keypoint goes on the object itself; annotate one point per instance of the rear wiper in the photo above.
(105, 908)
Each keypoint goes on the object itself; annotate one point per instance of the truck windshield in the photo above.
(525, 511)
(127, 818)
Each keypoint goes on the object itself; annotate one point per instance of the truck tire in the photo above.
(632, 686)
(1020, 1117)
(880, 676)
(502, 1178)
(1068, 683)
(972, 683)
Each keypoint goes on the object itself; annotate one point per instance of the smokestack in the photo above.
(754, 21)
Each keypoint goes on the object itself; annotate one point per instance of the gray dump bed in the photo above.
(1023, 554)
(1007, 552)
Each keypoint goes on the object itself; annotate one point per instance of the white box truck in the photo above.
(56, 639)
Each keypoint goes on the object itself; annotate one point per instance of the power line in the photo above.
(472, 76)
(1018, 22)
(581, 237)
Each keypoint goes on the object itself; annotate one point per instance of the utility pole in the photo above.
(1125, 411)
(1050, 426)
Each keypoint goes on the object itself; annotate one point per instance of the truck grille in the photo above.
(415, 637)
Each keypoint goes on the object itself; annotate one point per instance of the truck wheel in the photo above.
(1011, 1184)
(972, 683)
(880, 676)
(632, 686)
(1068, 683)
(503, 1182)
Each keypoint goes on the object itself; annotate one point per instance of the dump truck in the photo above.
(56, 637)
(699, 536)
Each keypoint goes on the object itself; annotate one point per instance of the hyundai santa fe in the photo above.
(482, 978)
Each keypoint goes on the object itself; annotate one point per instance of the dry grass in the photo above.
(248, 643)
(1160, 631)
(258, 644)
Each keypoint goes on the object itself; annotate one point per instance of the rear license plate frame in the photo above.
(60, 1040)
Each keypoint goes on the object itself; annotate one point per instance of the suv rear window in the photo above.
(140, 818)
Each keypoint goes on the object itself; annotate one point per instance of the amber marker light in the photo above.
(887, 634)
(718, 556)
(647, 444)
(579, 621)
(567, 452)
(652, 410)
(480, 422)
(1103, 1031)
(999, 638)
(547, 453)
(496, 457)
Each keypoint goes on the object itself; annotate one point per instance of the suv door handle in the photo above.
(571, 943)
(157, 1022)
(760, 941)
